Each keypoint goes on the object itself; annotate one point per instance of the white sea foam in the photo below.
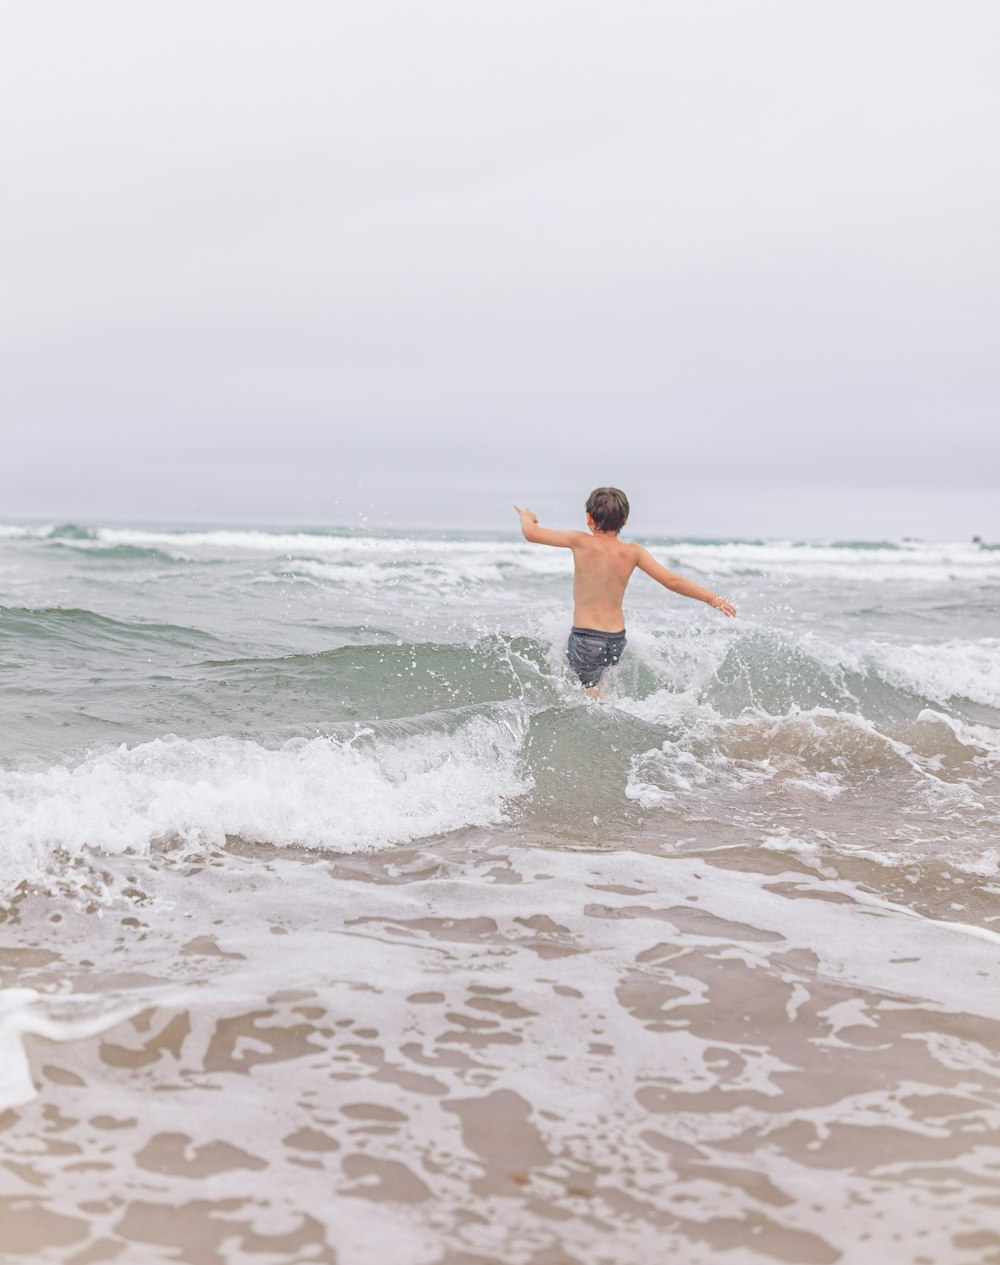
(922, 562)
(950, 669)
(822, 752)
(15, 531)
(912, 561)
(387, 551)
(369, 574)
(346, 796)
(819, 849)
(351, 562)
(689, 658)
(25, 1010)
(684, 662)
(927, 563)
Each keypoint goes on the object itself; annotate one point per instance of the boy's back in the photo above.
(602, 567)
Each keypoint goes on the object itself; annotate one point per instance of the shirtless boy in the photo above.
(602, 567)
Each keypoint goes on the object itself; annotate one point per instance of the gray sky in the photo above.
(407, 262)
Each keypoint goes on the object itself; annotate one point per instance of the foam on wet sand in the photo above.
(518, 1053)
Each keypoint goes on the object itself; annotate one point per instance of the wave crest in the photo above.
(345, 795)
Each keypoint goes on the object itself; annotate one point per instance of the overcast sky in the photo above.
(405, 262)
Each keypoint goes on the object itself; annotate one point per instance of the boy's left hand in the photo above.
(526, 513)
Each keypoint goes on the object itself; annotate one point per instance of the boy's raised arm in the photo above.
(678, 584)
(543, 535)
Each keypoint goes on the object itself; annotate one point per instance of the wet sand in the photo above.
(499, 1049)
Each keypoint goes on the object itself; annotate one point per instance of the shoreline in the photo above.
(662, 1052)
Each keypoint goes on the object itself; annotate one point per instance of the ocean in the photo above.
(337, 925)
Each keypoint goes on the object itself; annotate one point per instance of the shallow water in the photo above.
(337, 920)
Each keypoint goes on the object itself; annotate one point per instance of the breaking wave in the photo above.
(339, 794)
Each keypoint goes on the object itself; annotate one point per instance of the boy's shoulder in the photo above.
(585, 540)
(630, 546)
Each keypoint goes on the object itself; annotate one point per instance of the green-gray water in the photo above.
(709, 965)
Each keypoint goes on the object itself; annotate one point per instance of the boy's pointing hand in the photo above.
(526, 513)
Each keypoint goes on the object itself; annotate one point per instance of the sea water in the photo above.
(340, 926)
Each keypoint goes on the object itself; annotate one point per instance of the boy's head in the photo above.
(608, 509)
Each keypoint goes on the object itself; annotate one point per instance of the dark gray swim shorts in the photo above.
(590, 652)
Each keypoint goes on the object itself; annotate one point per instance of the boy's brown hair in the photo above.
(608, 507)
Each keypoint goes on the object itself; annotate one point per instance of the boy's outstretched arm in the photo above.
(544, 535)
(678, 584)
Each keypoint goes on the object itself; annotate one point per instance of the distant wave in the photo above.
(348, 558)
(13, 531)
(101, 551)
(914, 562)
(88, 629)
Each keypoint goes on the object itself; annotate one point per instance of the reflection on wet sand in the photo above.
(480, 1053)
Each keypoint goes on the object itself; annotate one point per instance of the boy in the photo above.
(602, 567)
